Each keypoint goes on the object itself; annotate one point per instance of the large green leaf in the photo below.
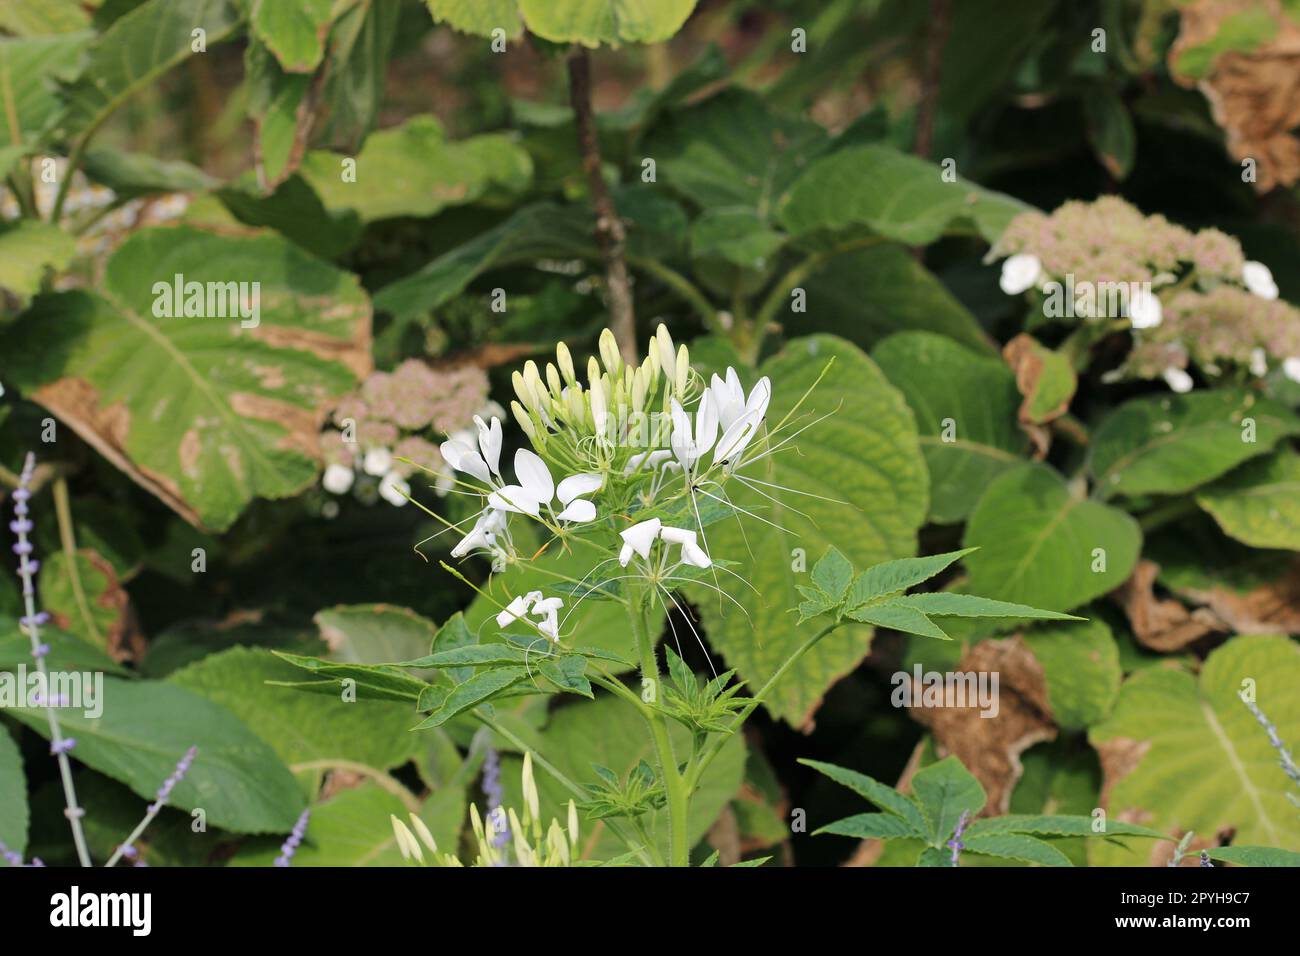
(30, 251)
(13, 795)
(479, 17)
(945, 790)
(145, 728)
(965, 407)
(730, 151)
(413, 170)
(27, 69)
(203, 412)
(138, 48)
(361, 41)
(294, 30)
(1043, 546)
(1259, 503)
(301, 728)
(1182, 753)
(610, 733)
(1081, 663)
(26, 19)
(375, 633)
(593, 22)
(865, 454)
(895, 195)
(352, 828)
(1168, 444)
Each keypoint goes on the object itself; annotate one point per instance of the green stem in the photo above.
(74, 161)
(1161, 515)
(684, 288)
(715, 746)
(674, 784)
(776, 298)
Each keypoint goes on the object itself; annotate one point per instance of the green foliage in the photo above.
(944, 799)
(13, 796)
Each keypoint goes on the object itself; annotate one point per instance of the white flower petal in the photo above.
(641, 536)
(489, 440)
(583, 483)
(677, 535)
(706, 424)
(338, 479)
(463, 458)
(625, 555)
(694, 555)
(532, 473)
(580, 509)
(1020, 273)
(652, 460)
(737, 438)
(516, 609)
(759, 396)
(1291, 368)
(516, 499)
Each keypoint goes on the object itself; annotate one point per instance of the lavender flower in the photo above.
(492, 790)
(1205, 859)
(295, 839)
(177, 775)
(12, 857)
(31, 621)
(956, 844)
(1286, 761)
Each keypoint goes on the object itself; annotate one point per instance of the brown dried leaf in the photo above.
(1162, 624)
(990, 747)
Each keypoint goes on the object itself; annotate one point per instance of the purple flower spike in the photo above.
(12, 857)
(63, 746)
(492, 790)
(295, 839)
(177, 775)
(955, 844)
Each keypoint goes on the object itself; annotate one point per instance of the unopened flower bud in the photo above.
(553, 380)
(683, 370)
(609, 352)
(521, 416)
(566, 363)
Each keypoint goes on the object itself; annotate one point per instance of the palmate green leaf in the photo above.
(373, 681)
(1057, 825)
(898, 618)
(200, 411)
(294, 30)
(13, 795)
(891, 577)
(732, 249)
(29, 252)
(1254, 856)
(568, 674)
(867, 826)
(301, 728)
(882, 795)
(414, 170)
(945, 790)
(833, 574)
(868, 424)
(1188, 755)
(867, 294)
(608, 733)
(1168, 444)
(1039, 544)
(28, 68)
(483, 686)
(965, 406)
(1016, 846)
(732, 152)
(1259, 503)
(896, 195)
(351, 828)
(146, 727)
(138, 48)
(478, 655)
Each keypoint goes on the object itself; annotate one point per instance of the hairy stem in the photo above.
(610, 234)
(675, 788)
